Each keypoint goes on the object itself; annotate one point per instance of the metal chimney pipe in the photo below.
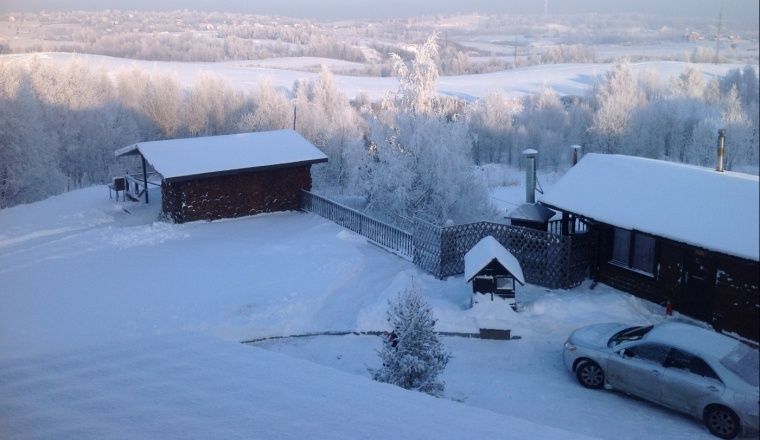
(576, 153)
(530, 175)
(721, 151)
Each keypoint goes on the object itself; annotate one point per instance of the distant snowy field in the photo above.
(114, 325)
(565, 79)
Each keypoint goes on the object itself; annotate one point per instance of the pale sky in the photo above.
(747, 11)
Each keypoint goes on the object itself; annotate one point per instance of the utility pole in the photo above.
(717, 37)
(514, 63)
(295, 108)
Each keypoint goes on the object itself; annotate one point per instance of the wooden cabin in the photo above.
(492, 269)
(213, 177)
(672, 232)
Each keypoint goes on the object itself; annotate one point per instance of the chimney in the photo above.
(721, 142)
(530, 175)
(576, 153)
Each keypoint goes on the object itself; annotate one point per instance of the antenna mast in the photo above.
(717, 37)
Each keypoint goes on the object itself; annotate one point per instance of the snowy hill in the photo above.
(565, 79)
(177, 388)
(115, 325)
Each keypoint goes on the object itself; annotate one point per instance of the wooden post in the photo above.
(565, 223)
(145, 178)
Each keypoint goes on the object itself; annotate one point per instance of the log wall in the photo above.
(235, 195)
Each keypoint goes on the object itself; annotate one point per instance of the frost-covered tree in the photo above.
(616, 98)
(273, 110)
(161, 101)
(211, 106)
(418, 79)
(412, 355)
(492, 123)
(328, 120)
(421, 152)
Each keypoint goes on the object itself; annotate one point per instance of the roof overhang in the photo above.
(243, 170)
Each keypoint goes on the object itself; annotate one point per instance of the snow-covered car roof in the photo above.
(692, 339)
(212, 155)
(685, 203)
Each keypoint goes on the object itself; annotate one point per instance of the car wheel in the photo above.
(590, 374)
(722, 422)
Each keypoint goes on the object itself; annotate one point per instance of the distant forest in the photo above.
(516, 40)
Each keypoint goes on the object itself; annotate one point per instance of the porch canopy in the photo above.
(191, 158)
(486, 251)
(718, 211)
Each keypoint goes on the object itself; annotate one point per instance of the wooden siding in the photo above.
(727, 294)
(235, 195)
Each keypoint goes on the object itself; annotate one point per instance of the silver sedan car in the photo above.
(687, 368)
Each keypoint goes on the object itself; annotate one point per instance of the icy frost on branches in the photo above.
(412, 355)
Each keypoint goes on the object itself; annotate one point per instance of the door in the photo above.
(688, 382)
(699, 287)
(638, 370)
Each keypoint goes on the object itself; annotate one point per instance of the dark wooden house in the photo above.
(213, 177)
(671, 232)
(492, 269)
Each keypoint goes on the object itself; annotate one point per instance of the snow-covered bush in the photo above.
(413, 357)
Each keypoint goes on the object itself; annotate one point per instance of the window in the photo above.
(743, 361)
(688, 362)
(633, 250)
(629, 334)
(651, 352)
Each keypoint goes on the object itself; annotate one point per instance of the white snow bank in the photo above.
(182, 387)
(685, 203)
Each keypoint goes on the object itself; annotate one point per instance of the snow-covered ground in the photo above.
(565, 79)
(114, 325)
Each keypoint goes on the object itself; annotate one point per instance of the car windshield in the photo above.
(743, 361)
(629, 334)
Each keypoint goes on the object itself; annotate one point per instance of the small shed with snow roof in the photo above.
(673, 232)
(213, 177)
(492, 269)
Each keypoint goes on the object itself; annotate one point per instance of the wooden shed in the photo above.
(665, 231)
(492, 269)
(213, 177)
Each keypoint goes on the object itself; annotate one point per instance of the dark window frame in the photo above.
(690, 363)
(630, 261)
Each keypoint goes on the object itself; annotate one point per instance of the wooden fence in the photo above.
(547, 259)
(383, 234)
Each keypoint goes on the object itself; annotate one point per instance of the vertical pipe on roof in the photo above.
(721, 142)
(530, 175)
(576, 153)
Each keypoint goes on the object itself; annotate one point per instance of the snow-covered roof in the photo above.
(210, 155)
(685, 203)
(484, 252)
